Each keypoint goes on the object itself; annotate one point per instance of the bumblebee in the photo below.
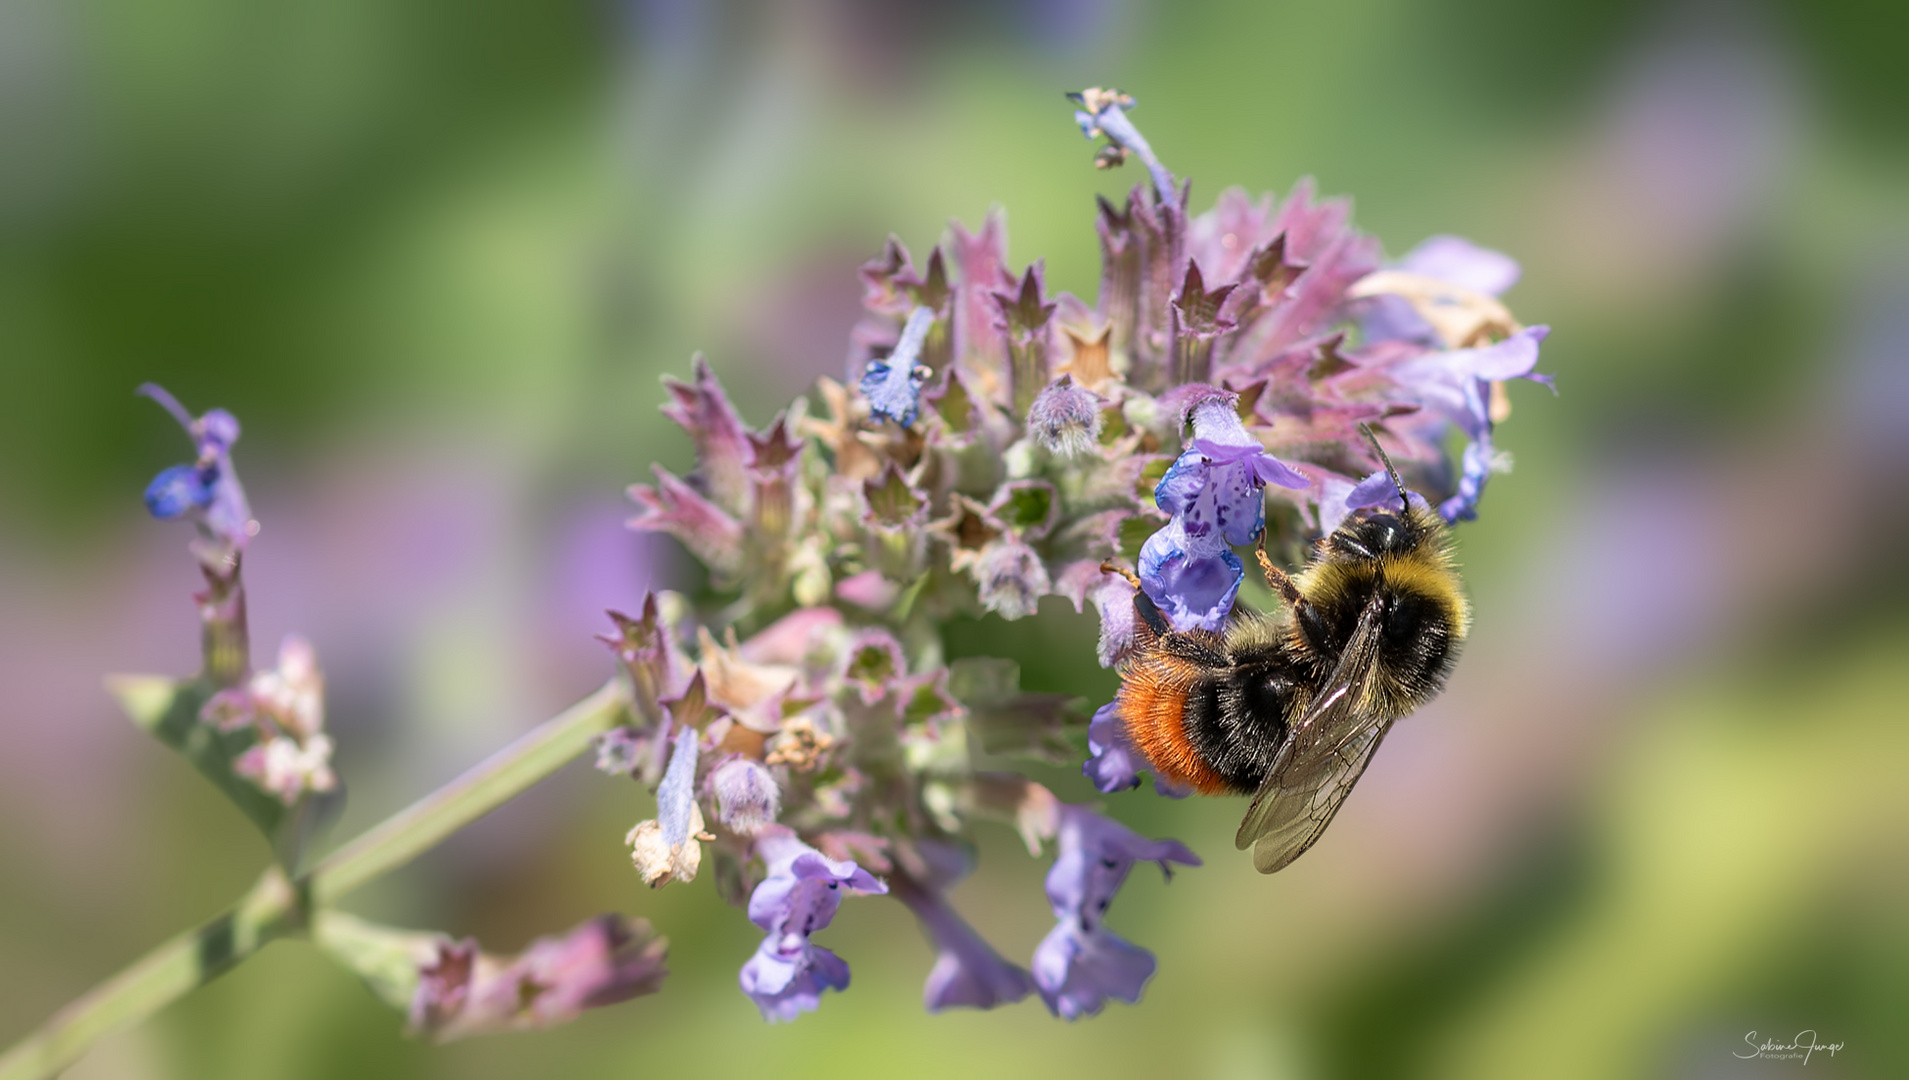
(1290, 709)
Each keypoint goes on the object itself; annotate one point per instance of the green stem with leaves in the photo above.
(279, 906)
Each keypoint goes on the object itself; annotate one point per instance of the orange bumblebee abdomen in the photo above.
(1152, 706)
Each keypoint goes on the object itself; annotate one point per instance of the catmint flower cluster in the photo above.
(996, 444)
(993, 445)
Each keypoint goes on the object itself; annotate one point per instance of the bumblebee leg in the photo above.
(1143, 605)
(1277, 579)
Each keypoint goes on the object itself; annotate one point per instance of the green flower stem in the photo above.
(426, 823)
(277, 907)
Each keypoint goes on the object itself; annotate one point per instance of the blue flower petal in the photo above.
(181, 488)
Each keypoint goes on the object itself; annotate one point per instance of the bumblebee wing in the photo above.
(1324, 755)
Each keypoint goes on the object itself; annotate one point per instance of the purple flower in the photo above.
(1080, 964)
(208, 490)
(1463, 263)
(968, 973)
(675, 507)
(1456, 384)
(1476, 465)
(1441, 295)
(676, 795)
(788, 973)
(1193, 591)
(1375, 490)
(1214, 486)
(1378, 490)
(1112, 763)
(463, 992)
(1213, 492)
(893, 385)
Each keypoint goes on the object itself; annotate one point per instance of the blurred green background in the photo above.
(436, 255)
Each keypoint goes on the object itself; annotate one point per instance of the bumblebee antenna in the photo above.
(1404, 502)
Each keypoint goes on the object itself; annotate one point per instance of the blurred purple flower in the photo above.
(1112, 763)
(968, 973)
(208, 490)
(1456, 384)
(788, 972)
(677, 794)
(620, 750)
(1442, 294)
(463, 992)
(675, 507)
(893, 384)
(1102, 113)
(1080, 964)
(1463, 263)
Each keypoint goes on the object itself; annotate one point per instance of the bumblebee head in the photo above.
(1374, 534)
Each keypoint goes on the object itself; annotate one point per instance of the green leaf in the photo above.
(169, 710)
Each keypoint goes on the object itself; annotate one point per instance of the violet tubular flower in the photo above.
(1081, 964)
(1213, 490)
(1102, 113)
(1112, 763)
(800, 895)
(893, 385)
(968, 973)
(1456, 384)
(667, 848)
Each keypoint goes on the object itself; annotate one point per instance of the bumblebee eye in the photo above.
(1348, 543)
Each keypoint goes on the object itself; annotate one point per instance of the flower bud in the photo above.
(1065, 418)
(746, 795)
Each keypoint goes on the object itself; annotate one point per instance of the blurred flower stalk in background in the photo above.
(805, 734)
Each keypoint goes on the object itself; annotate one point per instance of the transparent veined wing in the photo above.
(1324, 755)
